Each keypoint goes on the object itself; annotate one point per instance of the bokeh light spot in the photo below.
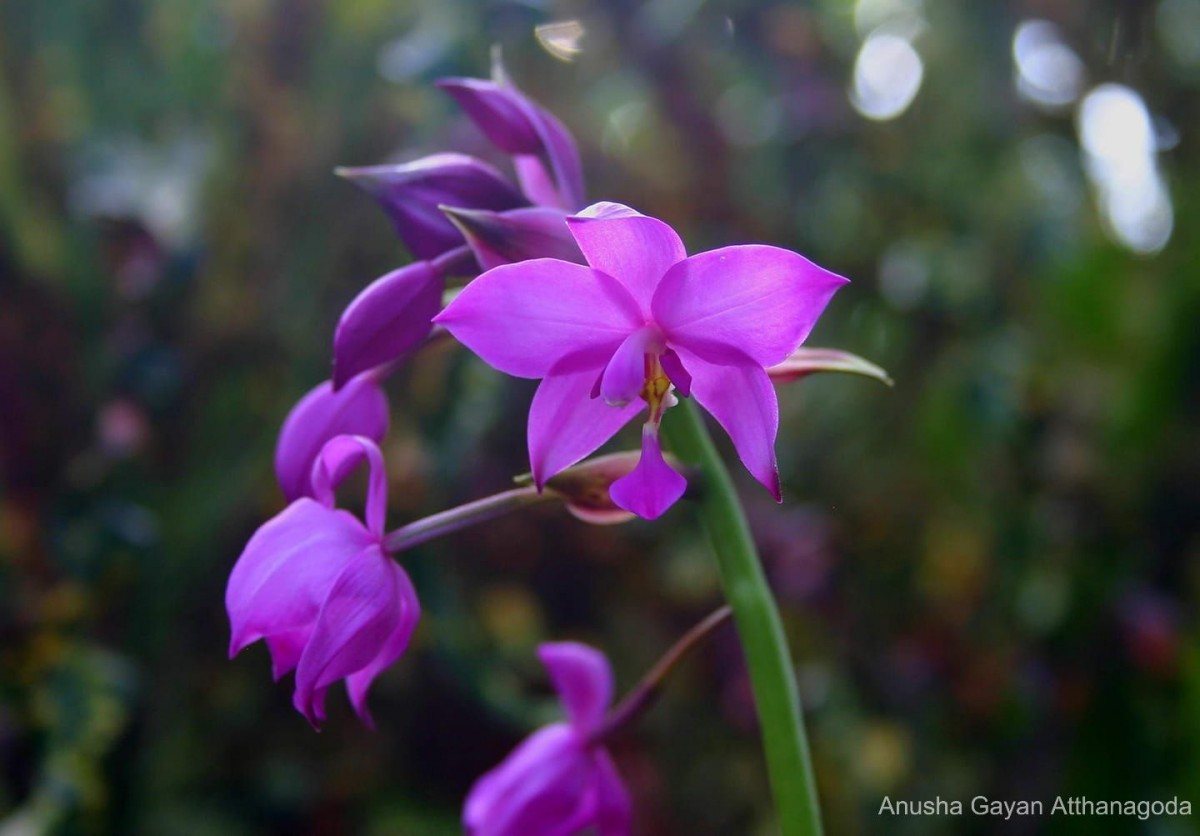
(887, 76)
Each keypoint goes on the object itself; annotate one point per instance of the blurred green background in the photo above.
(989, 572)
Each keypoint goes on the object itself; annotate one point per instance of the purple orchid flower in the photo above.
(560, 780)
(357, 408)
(615, 337)
(316, 584)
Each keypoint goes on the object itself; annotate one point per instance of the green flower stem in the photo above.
(758, 624)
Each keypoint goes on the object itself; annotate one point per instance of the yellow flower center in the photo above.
(654, 390)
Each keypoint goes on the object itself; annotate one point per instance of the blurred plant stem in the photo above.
(758, 624)
(31, 227)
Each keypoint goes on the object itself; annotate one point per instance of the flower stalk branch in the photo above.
(647, 691)
(454, 519)
(758, 624)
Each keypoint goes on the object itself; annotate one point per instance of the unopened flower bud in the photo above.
(805, 361)
(585, 487)
(411, 193)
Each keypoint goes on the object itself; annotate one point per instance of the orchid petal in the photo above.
(358, 408)
(625, 375)
(584, 681)
(563, 153)
(584, 487)
(653, 486)
(633, 248)
(743, 401)
(536, 182)
(754, 300)
(357, 618)
(525, 319)
(541, 787)
(389, 319)
(516, 235)
(317, 706)
(410, 194)
(614, 808)
(676, 373)
(286, 649)
(358, 683)
(285, 571)
(337, 460)
(566, 423)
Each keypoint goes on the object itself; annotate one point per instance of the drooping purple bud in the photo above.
(390, 318)
(500, 111)
(358, 408)
(516, 235)
(517, 126)
(411, 193)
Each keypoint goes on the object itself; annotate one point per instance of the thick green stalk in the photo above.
(758, 625)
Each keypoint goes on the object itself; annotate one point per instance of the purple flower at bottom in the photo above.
(316, 585)
(559, 781)
(615, 337)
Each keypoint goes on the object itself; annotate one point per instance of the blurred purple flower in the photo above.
(795, 546)
(1150, 624)
(315, 583)
(560, 780)
(358, 408)
(614, 337)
